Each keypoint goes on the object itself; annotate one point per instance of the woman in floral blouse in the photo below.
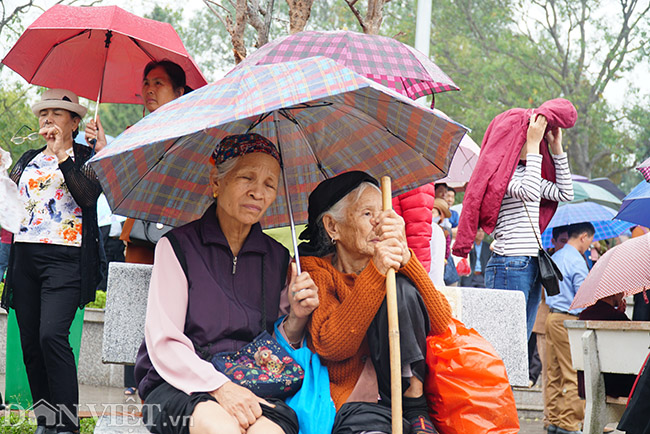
(54, 260)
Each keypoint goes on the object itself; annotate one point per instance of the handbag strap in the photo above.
(539, 243)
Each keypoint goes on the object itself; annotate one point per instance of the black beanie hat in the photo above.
(328, 193)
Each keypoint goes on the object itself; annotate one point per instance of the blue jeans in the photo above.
(517, 273)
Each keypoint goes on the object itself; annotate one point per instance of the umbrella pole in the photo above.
(294, 240)
(107, 44)
(393, 328)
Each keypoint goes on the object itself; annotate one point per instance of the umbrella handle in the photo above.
(393, 328)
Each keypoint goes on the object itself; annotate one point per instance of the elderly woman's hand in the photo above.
(303, 294)
(390, 226)
(240, 403)
(303, 299)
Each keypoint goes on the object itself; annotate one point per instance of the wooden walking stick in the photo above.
(393, 328)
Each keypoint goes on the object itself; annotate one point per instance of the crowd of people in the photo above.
(218, 283)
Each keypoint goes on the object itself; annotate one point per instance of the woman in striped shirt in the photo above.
(514, 265)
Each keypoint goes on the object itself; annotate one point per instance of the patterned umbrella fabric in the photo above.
(382, 59)
(587, 192)
(598, 215)
(625, 268)
(644, 168)
(79, 48)
(329, 120)
(636, 205)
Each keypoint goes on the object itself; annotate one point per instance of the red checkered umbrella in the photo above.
(625, 268)
(325, 118)
(644, 168)
(382, 59)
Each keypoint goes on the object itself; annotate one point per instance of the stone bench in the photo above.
(599, 347)
(499, 316)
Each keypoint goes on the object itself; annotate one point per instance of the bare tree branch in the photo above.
(357, 14)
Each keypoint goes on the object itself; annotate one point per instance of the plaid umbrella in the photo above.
(644, 168)
(326, 118)
(636, 205)
(598, 215)
(625, 268)
(382, 59)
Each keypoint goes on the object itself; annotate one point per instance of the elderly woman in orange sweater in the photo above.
(352, 244)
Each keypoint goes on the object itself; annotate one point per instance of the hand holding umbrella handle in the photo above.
(393, 328)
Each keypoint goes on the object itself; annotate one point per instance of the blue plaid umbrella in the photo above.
(636, 205)
(598, 215)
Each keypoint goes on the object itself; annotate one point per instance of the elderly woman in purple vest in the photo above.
(214, 282)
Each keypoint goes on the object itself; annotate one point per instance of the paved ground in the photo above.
(96, 400)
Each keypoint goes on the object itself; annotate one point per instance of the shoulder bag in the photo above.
(550, 274)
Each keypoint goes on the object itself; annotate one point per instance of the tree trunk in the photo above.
(237, 35)
(374, 16)
(299, 12)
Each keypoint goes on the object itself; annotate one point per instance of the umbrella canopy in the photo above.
(382, 59)
(79, 48)
(598, 215)
(644, 168)
(326, 118)
(625, 268)
(587, 192)
(608, 185)
(636, 205)
(463, 161)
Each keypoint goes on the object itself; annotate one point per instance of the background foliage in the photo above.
(501, 53)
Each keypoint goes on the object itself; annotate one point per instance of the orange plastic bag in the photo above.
(463, 268)
(467, 387)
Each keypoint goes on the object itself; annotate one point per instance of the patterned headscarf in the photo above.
(242, 144)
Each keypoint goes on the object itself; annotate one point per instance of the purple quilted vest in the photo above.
(224, 309)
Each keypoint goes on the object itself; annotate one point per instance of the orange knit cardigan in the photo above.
(348, 304)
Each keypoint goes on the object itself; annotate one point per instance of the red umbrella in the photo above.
(97, 52)
(625, 268)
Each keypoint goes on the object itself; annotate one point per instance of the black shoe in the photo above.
(422, 425)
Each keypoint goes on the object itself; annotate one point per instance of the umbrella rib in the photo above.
(292, 119)
(52, 49)
(258, 121)
(141, 47)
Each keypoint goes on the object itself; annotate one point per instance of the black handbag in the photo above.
(549, 273)
(144, 232)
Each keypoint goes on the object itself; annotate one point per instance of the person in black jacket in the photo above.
(54, 264)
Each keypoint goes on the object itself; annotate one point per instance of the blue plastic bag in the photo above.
(312, 403)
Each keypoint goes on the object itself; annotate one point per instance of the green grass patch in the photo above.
(16, 423)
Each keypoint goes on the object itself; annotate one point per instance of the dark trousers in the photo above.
(473, 281)
(47, 287)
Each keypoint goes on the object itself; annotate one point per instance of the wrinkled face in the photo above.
(247, 191)
(61, 118)
(157, 89)
(560, 241)
(356, 232)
